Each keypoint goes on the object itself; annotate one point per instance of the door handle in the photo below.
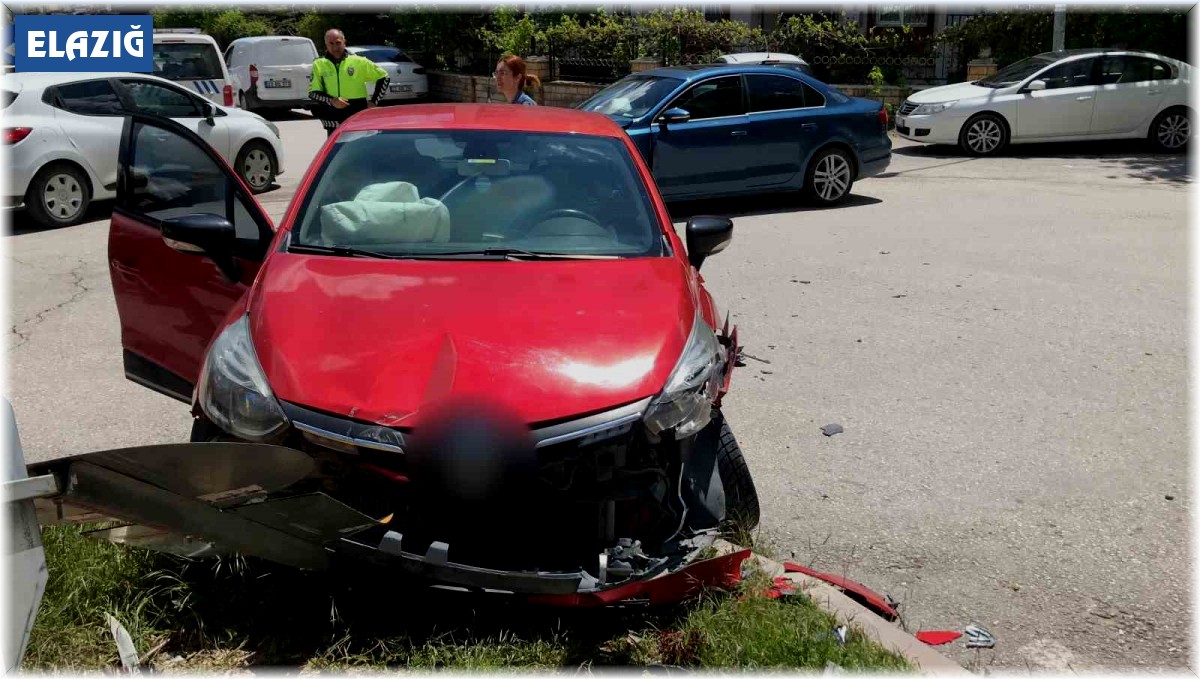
(1153, 92)
(1083, 98)
(738, 133)
(808, 126)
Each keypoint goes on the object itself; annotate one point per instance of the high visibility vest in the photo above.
(347, 79)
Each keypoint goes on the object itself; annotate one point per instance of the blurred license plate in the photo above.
(286, 82)
(400, 88)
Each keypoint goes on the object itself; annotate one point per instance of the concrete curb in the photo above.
(829, 598)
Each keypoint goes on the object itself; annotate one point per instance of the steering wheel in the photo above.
(567, 212)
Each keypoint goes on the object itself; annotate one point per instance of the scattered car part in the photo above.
(978, 637)
(937, 637)
(878, 603)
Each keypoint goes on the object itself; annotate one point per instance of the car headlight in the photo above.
(685, 403)
(234, 393)
(930, 109)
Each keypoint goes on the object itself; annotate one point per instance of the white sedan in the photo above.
(63, 131)
(408, 77)
(1068, 95)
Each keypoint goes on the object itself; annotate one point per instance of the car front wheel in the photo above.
(741, 498)
(1171, 130)
(59, 195)
(983, 135)
(830, 176)
(256, 166)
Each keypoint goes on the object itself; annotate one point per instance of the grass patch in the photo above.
(240, 614)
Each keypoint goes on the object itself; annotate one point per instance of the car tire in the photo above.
(1172, 130)
(59, 195)
(741, 498)
(984, 135)
(256, 165)
(829, 177)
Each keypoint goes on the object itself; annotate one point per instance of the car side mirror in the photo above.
(210, 113)
(206, 234)
(707, 236)
(1036, 86)
(674, 116)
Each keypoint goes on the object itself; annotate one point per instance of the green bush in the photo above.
(1012, 36)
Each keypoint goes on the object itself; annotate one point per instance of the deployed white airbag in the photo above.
(391, 212)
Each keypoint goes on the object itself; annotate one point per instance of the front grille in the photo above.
(907, 108)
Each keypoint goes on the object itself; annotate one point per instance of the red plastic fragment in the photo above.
(782, 587)
(855, 590)
(937, 637)
(723, 571)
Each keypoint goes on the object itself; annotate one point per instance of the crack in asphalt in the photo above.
(24, 332)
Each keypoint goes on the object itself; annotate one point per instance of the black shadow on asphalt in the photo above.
(764, 204)
(1127, 157)
(20, 223)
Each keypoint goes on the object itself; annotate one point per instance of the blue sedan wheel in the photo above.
(830, 176)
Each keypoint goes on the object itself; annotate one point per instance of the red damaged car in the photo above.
(475, 349)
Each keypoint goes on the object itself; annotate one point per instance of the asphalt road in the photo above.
(1003, 341)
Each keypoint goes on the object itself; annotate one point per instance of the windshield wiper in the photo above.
(337, 251)
(517, 254)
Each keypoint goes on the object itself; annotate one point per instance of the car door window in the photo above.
(774, 93)
(812, 98)
(91, 98)
(171, 176)
(716, 98)
(1131, 69)
(151, 97)
(1071, 74)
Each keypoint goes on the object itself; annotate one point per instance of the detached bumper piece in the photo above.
(207, 499)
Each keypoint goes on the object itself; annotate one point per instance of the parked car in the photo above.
(443, 253)
(271, 71)
(408, 79)
(1067, 95)
(63, 131)
(767, 59)
(724, 130)
(193, 59)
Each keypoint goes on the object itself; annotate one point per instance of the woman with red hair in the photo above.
(512, 80)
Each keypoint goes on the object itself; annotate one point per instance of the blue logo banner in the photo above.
(84, 44)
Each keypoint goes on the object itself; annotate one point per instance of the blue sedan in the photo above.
(721, 130)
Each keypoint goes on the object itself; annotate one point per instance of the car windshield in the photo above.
(632, 96)
(187, 61)
(460, 193)
(1015, 73)
(288, 53)
(384, 55)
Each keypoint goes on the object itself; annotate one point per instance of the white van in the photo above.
(193, 59)
(271, 71)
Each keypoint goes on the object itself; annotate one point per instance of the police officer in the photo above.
(339, 82)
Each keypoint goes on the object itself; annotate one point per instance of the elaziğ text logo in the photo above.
(79, 43)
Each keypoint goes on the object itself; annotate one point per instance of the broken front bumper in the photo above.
(206, 499)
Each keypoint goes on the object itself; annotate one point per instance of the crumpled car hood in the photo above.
(375, 340)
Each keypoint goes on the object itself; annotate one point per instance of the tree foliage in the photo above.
(1014, 35)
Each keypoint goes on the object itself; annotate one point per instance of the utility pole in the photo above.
(1060, 27)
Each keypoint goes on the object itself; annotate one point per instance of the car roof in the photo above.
(268, 38)
(752, 57)
(163, 37)
(373, 47)
(697, 71)
(50, 79)
(484, 117)
(1078, 51)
